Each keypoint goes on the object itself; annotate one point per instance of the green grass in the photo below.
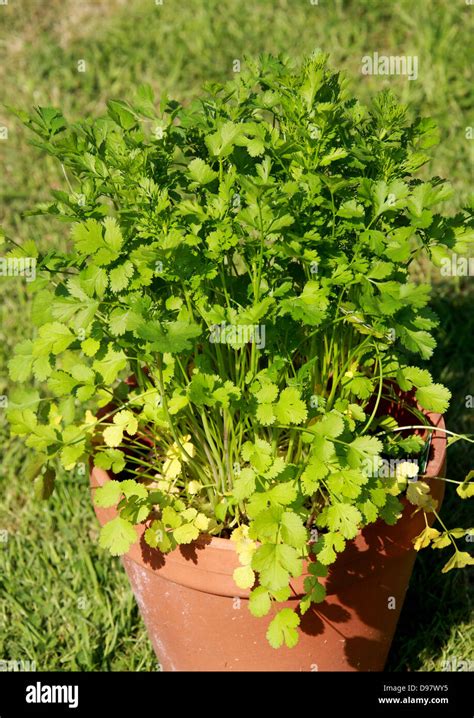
(65, 603)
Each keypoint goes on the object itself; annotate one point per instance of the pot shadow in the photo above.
(152, 557)
(314, 621)
(356, 583)
(155, 559)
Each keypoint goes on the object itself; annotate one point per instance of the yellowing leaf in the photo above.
(244, 577)
(418, 493)
(283, 629)
(459, 560)
(424, 539)
(466, 489)
(185, 533)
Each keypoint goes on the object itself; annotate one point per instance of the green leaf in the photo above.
(200, 172)
(109, 494)
(87, 237)
(169, 337)
(330, 426)
(265, 414)
(221, 142)
(342, 518)
(156, 536)
(44, 485)
(293, 531)
(90, 347)
(328, 546)
(338, 153)
(434, 397)
(258, 454)
(312, 475)
(282, 629)
(120, 276)
(20, 367)
(363, 446)
(259, 602)
(117, 536)
(112, 243)
(61, 383)
(110, 459)
(266, 524)
(110, 366)
(275, 563)
(123, 421)
(420, 342)
(361, 386)
(290, 409)
(267, 394)
(351, 209)
(119, 112)
(53, 338)
(121, 319)
(244, 485)
(410, 376)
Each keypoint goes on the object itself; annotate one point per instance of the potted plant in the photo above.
(232, 341)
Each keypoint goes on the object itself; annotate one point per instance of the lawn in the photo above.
(66, 604)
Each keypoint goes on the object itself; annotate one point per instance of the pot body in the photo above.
(198, 619)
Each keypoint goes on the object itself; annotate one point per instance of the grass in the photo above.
(65, 604)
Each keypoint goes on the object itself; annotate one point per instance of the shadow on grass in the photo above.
(436, 603)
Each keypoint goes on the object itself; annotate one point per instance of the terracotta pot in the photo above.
(198, 620)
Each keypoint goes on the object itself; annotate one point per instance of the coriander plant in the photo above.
(234, 318)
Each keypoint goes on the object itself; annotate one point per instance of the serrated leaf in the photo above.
(282, 629)
(342, 518)
(460, 559)
(290, 408)
(110, 366)
(20, 367)
(328, 546)
(265, 414)
(275, 563)
(244, 577)
(120, 276)
(200, 172)
(117, 536)
(293, 531)
(109, 494)
(330, 426)
(424, 539)
(259, 602)
(466, 489)
(186, 533)
(244, 485)
(434, 397)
